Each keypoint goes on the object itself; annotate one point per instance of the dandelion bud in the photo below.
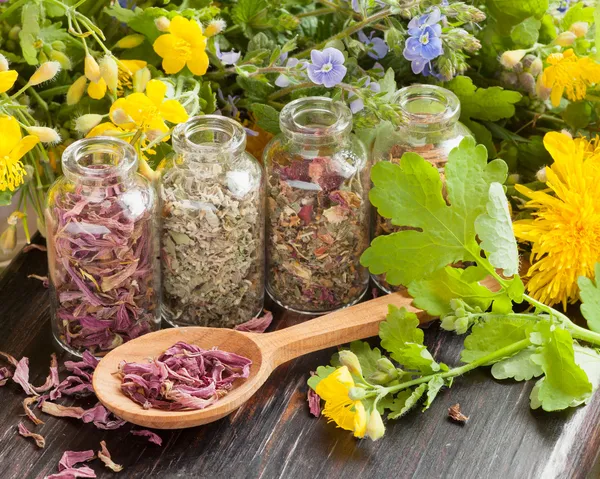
(375, 427)
(527, 82)
(541, 175)
(85, 123)
(119, 117)
(565, 39)
(510, 58)
(8, 239)
(141, 79)
(162, 24)
(92, 69)
(76, 91)
(47, 71)
(45, 135)
(130, 41)
(110, 72)
(580, 29)
(536, 67)
(356, 393)
(60, 57)
(349, 359)
(3, 63)
(215, 27)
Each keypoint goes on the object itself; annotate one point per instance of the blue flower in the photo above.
(376, 47)
(227, 58)
(424, 43)
(564, 6)
(327, 67)
(283, 80)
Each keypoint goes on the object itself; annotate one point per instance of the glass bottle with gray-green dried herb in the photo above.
(317, 208)
(212, 241)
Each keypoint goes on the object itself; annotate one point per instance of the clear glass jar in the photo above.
(431, 129)
(212, 233)
(103, 264)
(317, 208)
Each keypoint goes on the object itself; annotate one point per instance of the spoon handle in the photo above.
(342, 326)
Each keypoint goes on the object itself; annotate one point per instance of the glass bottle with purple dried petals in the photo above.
(104, 273)
(212, 234)
(430, 129)
(317, 208)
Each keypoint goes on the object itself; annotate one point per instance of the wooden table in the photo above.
(274, 436)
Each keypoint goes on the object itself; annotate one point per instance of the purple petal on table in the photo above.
(58, 410)
(152, 436)
(52, 380)
(314, 403)
(28, 412)
(70, 459)
(73, 473)
(21, 376)
(261, 323)
(38, 438)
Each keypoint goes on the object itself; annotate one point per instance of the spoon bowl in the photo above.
(267, 351)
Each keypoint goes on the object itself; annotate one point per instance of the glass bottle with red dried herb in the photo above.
(430, 129)
(101, 219)
(212, 234)
(317, 208)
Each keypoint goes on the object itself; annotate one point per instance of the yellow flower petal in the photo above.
(556, 95)
(173, 111)
(10, 134)
(106, 128)
(198, 64)
(24, 146)
(172, 65)
(156, 90)
(133, 65)
(189, 30)
(97, 90)
(7, 80)
(164, 46)
(360, 419)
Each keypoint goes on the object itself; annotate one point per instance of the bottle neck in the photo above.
(428, 109)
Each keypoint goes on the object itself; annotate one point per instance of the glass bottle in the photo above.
(103, 269)
(431, 129)
(212, 233)
(317, 208)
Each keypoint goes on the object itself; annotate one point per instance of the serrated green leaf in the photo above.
(256, 90)
(482, 135)
(251, 14)
(411, 195)
(260, 41)
(493, 334)
(401, 337)
(578, 114)
(267, 117)
(405, 401)
(31, 16)
(519, 367)
(321, 373)
(590, 297)
(209, 98)
(494, 228)
(367, 357)
(526, 33)
(433, 388)
(488, 104)
(435, 293)
(510, 12)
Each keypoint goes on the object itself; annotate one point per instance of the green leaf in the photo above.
(519, 367)
(405, 401)
(209, 98)
(260, 41)
(267, 117)
(401, 337)
(433, 388)
(493, 334)
(590, 297)
(435, 293)
(5, 198)
(367, 357)
(256, 90)
(565, 384)
(482, 135)
(588, 359)
(526, 33)
(141, 20)
(511, 12)
(578, 114)
(495, 231)
(388, 84)
(321, 373)
(577, 13)
(411, 195)
(489, 104)
(31, 16)
(251, 14)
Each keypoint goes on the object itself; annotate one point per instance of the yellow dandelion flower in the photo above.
(565, 229)
(147, 111)
(569, 74)
(12, 148)
(7, 80)
(339, 408)
(184, 44)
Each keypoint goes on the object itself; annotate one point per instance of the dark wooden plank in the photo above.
(274, 436)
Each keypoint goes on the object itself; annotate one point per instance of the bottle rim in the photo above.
(99, 157)
(228, 134)
(413, 98)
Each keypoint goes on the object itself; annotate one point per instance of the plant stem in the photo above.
(286, 91)
(317, 12)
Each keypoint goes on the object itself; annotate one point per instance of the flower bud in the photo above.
(385, 365)
(47, 71)
(60, 57)
(375, 427)
(536, 67)
(141, 79)
(92, 69)
(3, 63)
(58, 45)
(162, 24)
(110, 72)
(130, 41)
(85, 123)
(513, 179)
(120, 116)
(44, 134)
(541, 90)
(76, 90)
(541, 175)
(510, 58)
(349, 359)
(379, 377)
(356, 393)
(13, 34)
(215, 27)
(527, 82)
(565, 39)
(580, 29)
(8, 239)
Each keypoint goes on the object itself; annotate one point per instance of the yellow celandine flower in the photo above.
(126, 76)
(339, 408)
(184, 44)
(12, 148)
(147, 111)
(565, 229)
(7, 80)
(569, 74)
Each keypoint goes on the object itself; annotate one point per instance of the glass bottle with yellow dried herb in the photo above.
(212, 234)
(317, 208)
(430, 128)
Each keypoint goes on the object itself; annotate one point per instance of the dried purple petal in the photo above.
(314, 403)
(62, 411)
(152, 436)
(257, 325)
(29, 413)
(73, 473)
(102, 418)
(21, 376)
(70, 459)
(183, 377)
(104, 456)
(38, 438)
(52, 380)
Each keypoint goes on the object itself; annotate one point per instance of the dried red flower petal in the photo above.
(152, 437)
(256, 325)
(38, 438)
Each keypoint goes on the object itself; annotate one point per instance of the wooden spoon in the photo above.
(267, 351)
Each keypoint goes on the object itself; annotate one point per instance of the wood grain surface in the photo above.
(274, 436)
